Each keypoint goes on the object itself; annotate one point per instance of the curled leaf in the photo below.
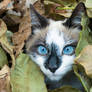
(85, 59)
(4, 41)
(3, 27)
(5, 79)
(3, 58)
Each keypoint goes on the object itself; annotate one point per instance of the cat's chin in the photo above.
(54, 77)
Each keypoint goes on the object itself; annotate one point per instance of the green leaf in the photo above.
(85, 35)
(80, 73)
(91, 89)
(3, 58)
(26, 76)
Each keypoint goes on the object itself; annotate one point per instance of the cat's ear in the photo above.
(37, 21)
(75, 18)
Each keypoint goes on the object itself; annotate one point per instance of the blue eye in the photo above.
(42, 50)
(68, 50)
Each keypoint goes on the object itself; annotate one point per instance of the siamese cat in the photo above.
(52, 47)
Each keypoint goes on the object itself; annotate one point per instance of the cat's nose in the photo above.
(53, 68)
(52, 63)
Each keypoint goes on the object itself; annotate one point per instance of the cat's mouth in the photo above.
(59, 73)
(61, 70)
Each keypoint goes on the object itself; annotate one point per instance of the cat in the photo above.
(52, 46)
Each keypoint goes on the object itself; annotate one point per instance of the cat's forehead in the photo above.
(60, 34)
(55, 33)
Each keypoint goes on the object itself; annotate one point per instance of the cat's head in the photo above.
(52, 43)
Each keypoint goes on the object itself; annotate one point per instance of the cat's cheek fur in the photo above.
(37, 59)
(66, 66)
(40, 60)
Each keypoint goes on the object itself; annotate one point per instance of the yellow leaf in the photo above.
(4, 41)
(5, 79)
(3, 28)
(88, 3)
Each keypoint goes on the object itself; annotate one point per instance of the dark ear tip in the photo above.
(81, 6)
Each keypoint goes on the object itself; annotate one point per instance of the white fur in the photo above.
(53, 36)
(66, 65)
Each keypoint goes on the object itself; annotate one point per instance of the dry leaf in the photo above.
(22, 34)
(3, 28)
(4, 4)
(85, 59)
(63, 7)
(65, 13)
(5, 79)
(39, 7)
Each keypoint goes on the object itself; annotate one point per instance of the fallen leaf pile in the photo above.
(16, 68)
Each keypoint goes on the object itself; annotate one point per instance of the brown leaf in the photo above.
(85, 59)
(3, 28)
(5, 79)
(65, 13)
(4, 4)
(19, 5)
(22, 34)
(39, 7)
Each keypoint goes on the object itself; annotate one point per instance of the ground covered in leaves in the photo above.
(16, 68)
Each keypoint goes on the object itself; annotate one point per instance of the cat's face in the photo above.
(52, 44)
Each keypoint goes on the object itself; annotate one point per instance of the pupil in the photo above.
(43, 49)
(67, 49)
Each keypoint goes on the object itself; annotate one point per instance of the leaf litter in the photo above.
(5, 79)
(15, 28)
